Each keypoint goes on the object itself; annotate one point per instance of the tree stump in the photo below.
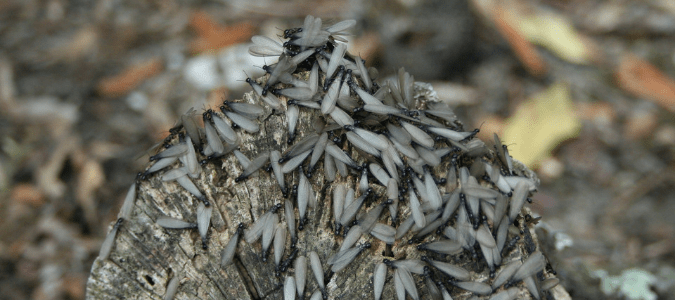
(145, 257)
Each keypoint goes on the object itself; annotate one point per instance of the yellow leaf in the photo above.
(540, 124)
(556, 34)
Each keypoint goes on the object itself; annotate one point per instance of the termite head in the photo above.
(389, 263)
(207, 115)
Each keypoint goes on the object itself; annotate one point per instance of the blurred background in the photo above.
(581, 91)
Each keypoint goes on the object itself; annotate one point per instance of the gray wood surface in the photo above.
(145, 257)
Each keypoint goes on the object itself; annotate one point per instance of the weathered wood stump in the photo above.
(145, 257)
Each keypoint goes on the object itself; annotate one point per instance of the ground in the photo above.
(86, 87)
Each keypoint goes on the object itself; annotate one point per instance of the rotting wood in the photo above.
(146, 257)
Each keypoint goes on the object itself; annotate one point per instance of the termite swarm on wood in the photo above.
(375, 178)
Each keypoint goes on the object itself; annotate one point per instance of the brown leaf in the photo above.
(642, 79)
(522, 48)
(130, 78)
(213, 36)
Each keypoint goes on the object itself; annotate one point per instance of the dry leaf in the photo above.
(130, 78)
(213, 36)
(540, 124)
(525, 51)
(642, 79)
(556, 34)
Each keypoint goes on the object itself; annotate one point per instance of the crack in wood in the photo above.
(246, 277)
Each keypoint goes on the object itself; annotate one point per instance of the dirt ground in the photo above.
(86, 87)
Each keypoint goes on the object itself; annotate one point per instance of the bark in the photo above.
(145, 256)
